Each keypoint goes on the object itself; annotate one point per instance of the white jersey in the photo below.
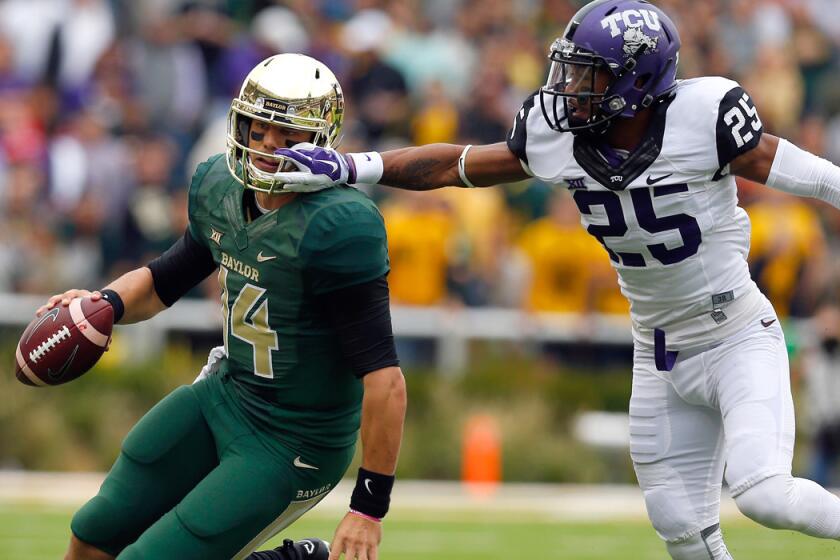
(668, 214)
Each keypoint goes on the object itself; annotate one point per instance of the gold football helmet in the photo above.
(291, 90)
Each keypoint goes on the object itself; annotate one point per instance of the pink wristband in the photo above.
(366, 516)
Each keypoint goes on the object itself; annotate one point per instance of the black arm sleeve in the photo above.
(182, 267)
(362, 316)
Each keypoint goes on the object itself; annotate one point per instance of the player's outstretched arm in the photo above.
(442, 165)
(144, 292)
(383, 414)
(784, 166)
(416, 168)
(135, 290)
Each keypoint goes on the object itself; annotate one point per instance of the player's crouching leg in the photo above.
(785, 502)
(97, 518)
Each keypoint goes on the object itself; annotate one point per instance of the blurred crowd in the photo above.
(106, 107)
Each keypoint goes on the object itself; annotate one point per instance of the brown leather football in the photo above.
(64, 342)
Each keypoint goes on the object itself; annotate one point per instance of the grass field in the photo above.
(39, 533)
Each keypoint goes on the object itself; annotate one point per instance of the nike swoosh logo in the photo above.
(333, 164)
(301, 465)
(263, 258)
(652, 181)
(51, 314)
(63, 369)
(368, 157)
(766, 324)
(367, 486)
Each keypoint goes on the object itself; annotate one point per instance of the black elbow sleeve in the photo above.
(182, 267)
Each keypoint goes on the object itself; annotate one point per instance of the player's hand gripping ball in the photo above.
(64, 342)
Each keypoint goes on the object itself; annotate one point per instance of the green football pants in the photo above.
(193, 481)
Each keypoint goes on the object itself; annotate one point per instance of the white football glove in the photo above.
(214, 360)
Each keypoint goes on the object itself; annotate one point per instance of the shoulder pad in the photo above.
(344, 242)
(544, 152)
(203, 176)
(704, 92)
(209, 183)
(518, 133)
(697, 121)
(338, 215)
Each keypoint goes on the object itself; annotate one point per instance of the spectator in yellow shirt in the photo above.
(420, 229)
(569, 268)
(787, 251)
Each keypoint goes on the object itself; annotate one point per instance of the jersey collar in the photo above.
(617, 177)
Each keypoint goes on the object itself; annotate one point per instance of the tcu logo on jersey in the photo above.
(631, 19)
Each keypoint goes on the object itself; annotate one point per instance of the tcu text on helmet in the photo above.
(631, 18)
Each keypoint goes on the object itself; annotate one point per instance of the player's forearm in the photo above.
(798, 172)
(383, 415)
(422, 168)
(786, 167)
(137, 292)
(442, 165)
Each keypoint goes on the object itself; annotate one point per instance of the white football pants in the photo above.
(729, 404)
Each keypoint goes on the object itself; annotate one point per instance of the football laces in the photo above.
(49, 344)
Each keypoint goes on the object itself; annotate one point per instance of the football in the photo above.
(64, 342)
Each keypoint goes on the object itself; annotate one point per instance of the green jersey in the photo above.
(284, 368)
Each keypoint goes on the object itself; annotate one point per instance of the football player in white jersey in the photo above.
(650, 161)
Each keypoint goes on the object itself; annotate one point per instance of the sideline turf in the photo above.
(39, 533)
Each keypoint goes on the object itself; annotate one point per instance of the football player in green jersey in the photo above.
(218, 467)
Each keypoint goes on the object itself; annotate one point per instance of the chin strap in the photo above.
(648, 99)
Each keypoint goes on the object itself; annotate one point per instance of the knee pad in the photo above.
(99, 524)
(706, 545)
(671, 512)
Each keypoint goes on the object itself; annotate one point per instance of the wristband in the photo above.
(369, 168)
(462, 163)
(365, 516)
(116, 302)
(372, 494)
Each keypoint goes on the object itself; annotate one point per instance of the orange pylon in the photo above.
(481, 466)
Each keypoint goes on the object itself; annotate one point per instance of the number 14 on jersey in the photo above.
(247, 320)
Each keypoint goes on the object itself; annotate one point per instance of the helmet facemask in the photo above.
(573, 78)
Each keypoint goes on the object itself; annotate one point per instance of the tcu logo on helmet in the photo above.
(631, 18)
(635, 38)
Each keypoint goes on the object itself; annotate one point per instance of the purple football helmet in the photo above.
(637, 45)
